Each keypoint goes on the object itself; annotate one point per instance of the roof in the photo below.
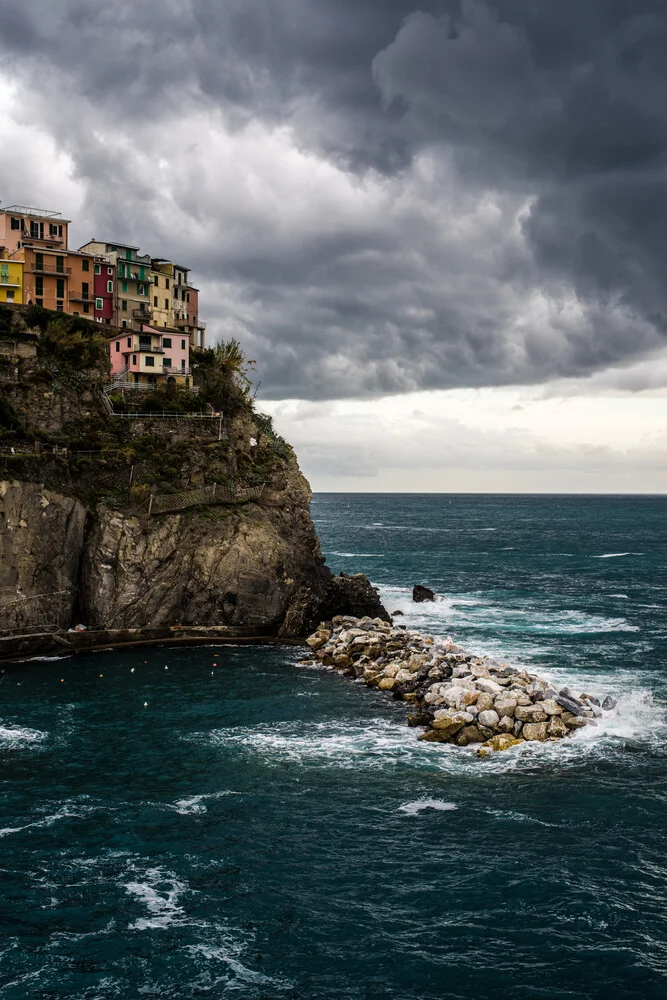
(39, 213)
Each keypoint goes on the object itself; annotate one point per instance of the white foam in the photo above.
(413, 808)
(160, 894)
(617, 555)
(69, 810)
(228, 953)
(12, 737)
(195, 803)
(48, 659)
(360, 555)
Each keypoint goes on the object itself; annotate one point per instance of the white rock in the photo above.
(490, 719)
(489, 687)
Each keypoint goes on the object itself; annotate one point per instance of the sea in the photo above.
(225, 821)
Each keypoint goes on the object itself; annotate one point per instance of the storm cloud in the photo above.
(375, 198)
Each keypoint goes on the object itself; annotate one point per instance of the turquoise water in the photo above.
(258, 829)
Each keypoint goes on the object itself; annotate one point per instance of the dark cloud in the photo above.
(376, 198)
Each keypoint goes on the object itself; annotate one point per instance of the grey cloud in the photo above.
(494, 211)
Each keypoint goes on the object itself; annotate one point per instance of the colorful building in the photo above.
(80, 284)
(41, 228)
(105, 290)
(150, 357)
(11, 279)
(176, 301)
(132, 307)
(46, 276)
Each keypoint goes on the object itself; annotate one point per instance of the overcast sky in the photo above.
(439, 227)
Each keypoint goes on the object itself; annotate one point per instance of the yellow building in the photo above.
(11, 281)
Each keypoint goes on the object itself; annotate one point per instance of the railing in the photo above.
(81, 298)
(144, 314)
(6, 280)
(204, 497)
(63, 272)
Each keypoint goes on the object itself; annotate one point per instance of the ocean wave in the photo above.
(413, 808)
(159, 892)
(617, 555)
(72, 809)
(194, 804)
(13, 737)
(48, 659)
(360, 555)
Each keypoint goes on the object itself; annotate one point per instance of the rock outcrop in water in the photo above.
(457, 697)
(78, 541)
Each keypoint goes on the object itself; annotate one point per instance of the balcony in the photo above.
(81, 298)
(46, 238)
(135, 276)
(146, 348)
(63, 272)
(145, 315)
(7, 282)
(177, 371)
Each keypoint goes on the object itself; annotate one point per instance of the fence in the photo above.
(169, 502)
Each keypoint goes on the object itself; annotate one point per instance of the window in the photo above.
(150, 361)
(155, 301)
(183, 369)
(166, 362)
(39, 261)
(39, 286)
(109, 270)
(187, 296)
(118, 347)
(16, 224)
(84, 290)
(60, 265)
(123, 286)
(123, 305)
(182, 345)
(60, 230)
(10, 295)
(98, 269)
(85, 265)
(166, 303)
(128, 255)
(166, 282)
(140, 290)
(134, 361)
(34, 230)
(166, 342)
(39, 302)
(109, 286)
(59, 307)
(86, 307)
(60, 288)
(129, 341)
(99, 303)
(124, 323)
(53, 230)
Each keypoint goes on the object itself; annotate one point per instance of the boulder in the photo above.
(506, 724)
(342, 661)
(449, 725)
(550, 706)
(472, 734)
(535, 730)
(489, 686)
(489, 719)
(574, 721)
(557, 728)
(484, 702)
(504, 705)
(420, 719)
(502, 742)
(570, 704)
(421, 594)
(530, 713)
(387, 684)
(609, 703)
(434, 736)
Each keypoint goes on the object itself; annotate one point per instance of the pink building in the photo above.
(150, 357)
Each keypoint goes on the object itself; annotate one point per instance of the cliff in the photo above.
(80, 539)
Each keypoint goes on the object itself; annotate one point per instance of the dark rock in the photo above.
(394, 613)
(335, 596)
(421, 594)
(420, 719)
(569, 703)
(609, 703)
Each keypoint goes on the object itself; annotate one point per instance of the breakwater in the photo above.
(456, 696)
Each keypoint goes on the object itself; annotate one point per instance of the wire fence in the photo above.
(207, 495)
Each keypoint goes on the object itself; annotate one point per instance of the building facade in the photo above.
(81, 284)
(105, 290)
(11, 280)
(41, 228)
(46, 274)
(176, 301)
(150, 357)
(133, 279)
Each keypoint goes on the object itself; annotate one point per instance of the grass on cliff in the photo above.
(71, 339)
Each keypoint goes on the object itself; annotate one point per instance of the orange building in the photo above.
(81, 284)
(45, 277)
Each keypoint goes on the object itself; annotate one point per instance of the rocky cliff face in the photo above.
(78, 543)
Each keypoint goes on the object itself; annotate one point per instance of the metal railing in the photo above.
(206, 496)
(6, 280)
(63, 272)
